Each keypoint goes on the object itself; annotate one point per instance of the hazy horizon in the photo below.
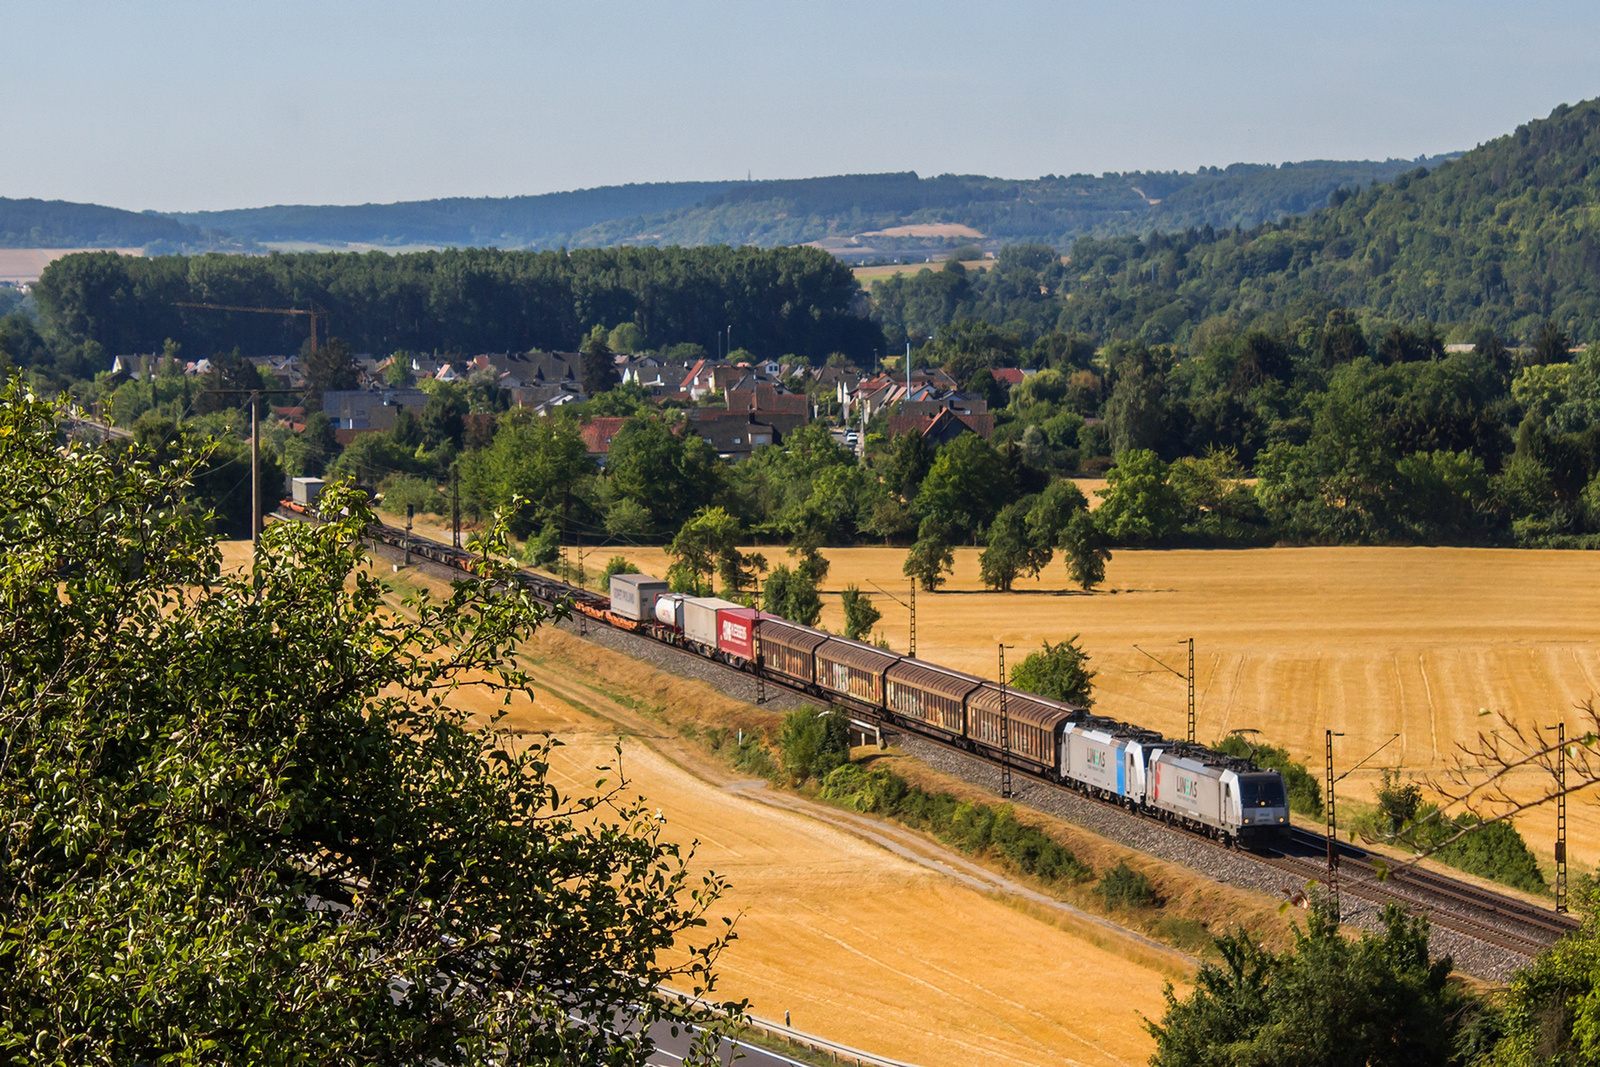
(182, 107)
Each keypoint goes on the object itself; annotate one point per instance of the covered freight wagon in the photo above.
(853, 669)
(788, 649)
(633, 596)
(700, 619)
(929, 694)
(1034, 731)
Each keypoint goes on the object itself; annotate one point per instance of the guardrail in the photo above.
(840, 1053)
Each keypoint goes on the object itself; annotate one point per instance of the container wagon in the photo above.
(633, 596)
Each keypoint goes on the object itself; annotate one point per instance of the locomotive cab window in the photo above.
(1261, 792)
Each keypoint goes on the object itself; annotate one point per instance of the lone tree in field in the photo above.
(930, 559)
(242, 824)
(1083, 543)
(1058, 672)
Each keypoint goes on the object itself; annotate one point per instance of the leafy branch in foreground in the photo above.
(240, 821)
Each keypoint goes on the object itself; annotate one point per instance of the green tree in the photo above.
(811, 743)
(670, 474)
(709, 543)
(859, 614)
(1012, 550)
(599, 368)
(792, 594)
(1059, 672)
(1083, 544)
(930, 559)
(626, 338)
(534, 472)
(1140, 505)
(332, 366)
(965, 486)
(297, 849)
(1378, 1001)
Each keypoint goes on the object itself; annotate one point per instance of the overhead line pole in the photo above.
(1005, 731)
(1561, 816)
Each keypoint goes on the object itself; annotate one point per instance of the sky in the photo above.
(178, 106)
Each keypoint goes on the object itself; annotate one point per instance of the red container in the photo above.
(736, 631)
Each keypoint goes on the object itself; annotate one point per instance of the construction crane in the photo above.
(314, 313)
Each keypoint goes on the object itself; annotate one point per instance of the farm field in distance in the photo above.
(1288, 641)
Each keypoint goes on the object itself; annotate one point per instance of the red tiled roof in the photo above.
(598, 432)
(1009, 375)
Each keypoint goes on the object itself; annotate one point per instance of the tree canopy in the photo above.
(244, 824)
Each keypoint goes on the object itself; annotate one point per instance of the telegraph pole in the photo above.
(1561, 816)
(410, 511)
(1005, 732)
(1333, 833)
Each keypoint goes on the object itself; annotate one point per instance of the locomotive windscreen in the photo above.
(1263, 792)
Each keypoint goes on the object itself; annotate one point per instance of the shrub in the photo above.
(617, 565)
(1124, 887)
(1305, 795)
(812, 743)
(398, 490)
(1058, 672)
(973, 828)
(545, 549)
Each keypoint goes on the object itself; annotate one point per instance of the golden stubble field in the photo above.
(1288, 641)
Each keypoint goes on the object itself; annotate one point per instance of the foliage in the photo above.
(1305, 793)
(1328, 1002)
(617, 565)
(244, 824)
(461, 300)
(812, 743)
(964, 488)
(929, 560)
(669, 475)
(707, 543)
(543, 550)
(1084, 547)
(398, 491)
(1552, 1010)
(859, 614)
(1124, 887)
(1140, 505)
(1057, 672)
(792, 593)
(599, 369)
(1494, 850)
(973, 828)
(534, 470)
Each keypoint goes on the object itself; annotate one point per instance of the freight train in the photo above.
(1178, 782)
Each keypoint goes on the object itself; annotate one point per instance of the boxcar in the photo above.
(929, 694)
(788, 649)
(1035, 729)
(633, 596)
(853, 669)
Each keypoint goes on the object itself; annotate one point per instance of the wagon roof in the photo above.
(637, 579)
(856, 654)
(935, 679)
(776, 632)
(1024, 707)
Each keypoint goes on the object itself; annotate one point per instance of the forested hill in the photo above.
(1505, 236)
(61, 224)
(849, 213)
(846, 212)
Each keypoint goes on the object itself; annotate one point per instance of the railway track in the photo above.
(1492, 918)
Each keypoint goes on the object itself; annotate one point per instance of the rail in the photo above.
(1546, 928)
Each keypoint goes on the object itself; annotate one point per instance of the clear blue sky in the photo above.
(176, 106)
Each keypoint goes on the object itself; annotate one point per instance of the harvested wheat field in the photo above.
(1290, 642)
